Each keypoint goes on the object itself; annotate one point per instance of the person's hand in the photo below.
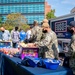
(30, 44)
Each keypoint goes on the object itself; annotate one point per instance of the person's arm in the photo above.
(9, 35)
(44, 42)
(56, 50)
(32, 33)
(39, 35)
(12, 34)
(19, 35)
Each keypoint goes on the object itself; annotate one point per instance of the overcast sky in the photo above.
(62, 7)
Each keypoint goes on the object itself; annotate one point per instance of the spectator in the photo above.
(22, 35)
(15, 37)
(5, 34)
(28, 35)
(65, 47)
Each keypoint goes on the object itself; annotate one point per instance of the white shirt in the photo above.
(28, 34)
(6, 35)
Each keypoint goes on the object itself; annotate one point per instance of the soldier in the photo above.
(49, 44)
(36, 32)
(44, 34)
(71, 52)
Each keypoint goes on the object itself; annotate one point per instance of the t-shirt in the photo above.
(28, 34)
(6, 35)
(22, 35)
(15, 36)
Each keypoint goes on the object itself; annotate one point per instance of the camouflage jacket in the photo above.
(36, 33)
(71, 51)
(50, 45)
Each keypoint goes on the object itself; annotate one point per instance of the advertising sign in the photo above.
(63, 45)
(60, 27)
(33, 52)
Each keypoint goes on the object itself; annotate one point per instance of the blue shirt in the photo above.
(22, 35)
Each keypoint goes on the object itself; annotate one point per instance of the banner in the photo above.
(60, 27)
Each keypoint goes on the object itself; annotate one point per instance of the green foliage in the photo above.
(24, 27)
(1, 19)
(15, 19)
(7, 26)
(51, 14)
(10, 27)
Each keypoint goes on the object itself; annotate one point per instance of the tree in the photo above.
(15, 19)
(51, 14)
(1, 20)
(7, 26)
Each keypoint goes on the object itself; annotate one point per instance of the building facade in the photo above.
(31, 9)
(47, 8)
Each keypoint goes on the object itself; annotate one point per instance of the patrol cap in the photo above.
(45, 21)
(72, 24)
(45, 25)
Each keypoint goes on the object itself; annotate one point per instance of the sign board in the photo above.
(29, 52)
(63, 44)
(5, 44)
(60, 27)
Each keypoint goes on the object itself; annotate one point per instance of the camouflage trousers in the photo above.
(72, 63)
(71, 54)
(49, 54)
(44, 52)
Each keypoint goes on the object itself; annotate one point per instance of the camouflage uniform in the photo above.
(72, 45)
(49, 45)
(43, 36)
(71, 52)
(36, 33)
